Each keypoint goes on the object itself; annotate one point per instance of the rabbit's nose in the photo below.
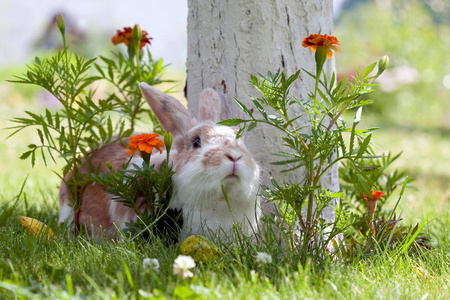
(233, 155)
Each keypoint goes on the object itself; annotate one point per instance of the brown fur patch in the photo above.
(179, 144)
(208, 132)
(213, 157)
(180, 160)
(95, 203)
(94, 210)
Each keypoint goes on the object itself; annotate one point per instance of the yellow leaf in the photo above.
(199, 248)
(36, 228)
(420, 271)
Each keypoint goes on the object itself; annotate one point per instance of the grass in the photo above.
(70, 267)
(73, 267)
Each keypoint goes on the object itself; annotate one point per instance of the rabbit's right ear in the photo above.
(172, 115)
(209, 106)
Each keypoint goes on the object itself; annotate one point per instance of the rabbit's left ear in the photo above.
(172, 115)
(209, 106)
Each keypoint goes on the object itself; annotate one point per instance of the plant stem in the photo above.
(311, 192)
(285, 116)
(138, 69)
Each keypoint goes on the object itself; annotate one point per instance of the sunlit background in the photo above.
(412, 105)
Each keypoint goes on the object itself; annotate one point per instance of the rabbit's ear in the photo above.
(172, 115)
(209, 106)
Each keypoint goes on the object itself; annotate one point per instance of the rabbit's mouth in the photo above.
(232, 176)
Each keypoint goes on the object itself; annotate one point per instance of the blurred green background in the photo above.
(412, 103)
(412, 106)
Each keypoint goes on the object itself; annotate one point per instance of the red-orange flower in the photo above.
(375, 196)
(372, 204)
(126, 36)
(317, 40)
(144, 143)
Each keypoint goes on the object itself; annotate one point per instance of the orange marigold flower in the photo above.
(375, 196)
(126, 36)
(317, 40)
(372, 205)
(144, 143)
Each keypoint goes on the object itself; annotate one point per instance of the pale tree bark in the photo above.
(230, 39)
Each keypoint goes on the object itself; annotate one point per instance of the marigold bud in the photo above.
(383, 63)
(168, 137)
(137, 36)
(61, 24)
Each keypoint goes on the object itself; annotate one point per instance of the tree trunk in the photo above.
(230, 39)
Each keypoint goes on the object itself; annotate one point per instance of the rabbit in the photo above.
(205, 157)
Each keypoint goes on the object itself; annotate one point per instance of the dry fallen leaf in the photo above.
(36, 228)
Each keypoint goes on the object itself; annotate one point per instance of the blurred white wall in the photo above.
(23, 22)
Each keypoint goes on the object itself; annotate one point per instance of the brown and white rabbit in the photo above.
(205, 157)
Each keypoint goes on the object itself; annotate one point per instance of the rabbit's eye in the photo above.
(196, 142)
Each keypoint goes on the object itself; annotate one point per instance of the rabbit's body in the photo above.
(215, 182)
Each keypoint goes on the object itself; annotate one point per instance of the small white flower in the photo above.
(262, 258)
(151, 263)
(181, 266)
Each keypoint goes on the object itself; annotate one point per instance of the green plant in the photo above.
(380, 177)
(146, 190)
(321, 145)
(84, 124)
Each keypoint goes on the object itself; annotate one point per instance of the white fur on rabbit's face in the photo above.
(208, 158)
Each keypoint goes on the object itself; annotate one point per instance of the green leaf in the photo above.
(99, 69)
(87, 63)
(110, 128)
(289, 141)
(363, 146)
(368, 69)
(36, 117)
(333, 79)
(240, 132)
(57, 121)
(293, 78)
(358, 76)
(108, 61)
(33, 158)
(363, 181)
(285, 162)
(110, 73)
(128, 132)
(253, 80)
(324, 99)
(43, 156)
(334, 194)
(260, 109)
(243, 107)
(251, 126)
(355, 123)
(49, 117)
(102, 133)
(231, 122)
(25, 155)
(41, 136)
